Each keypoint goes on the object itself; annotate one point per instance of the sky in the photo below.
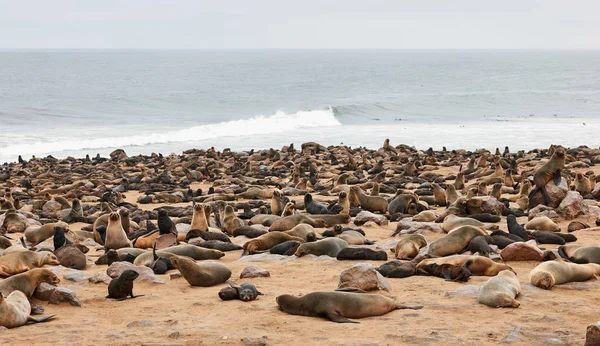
(317, 24)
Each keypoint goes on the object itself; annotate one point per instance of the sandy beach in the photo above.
(175, 313)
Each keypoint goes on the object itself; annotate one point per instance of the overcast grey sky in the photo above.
(300, 24)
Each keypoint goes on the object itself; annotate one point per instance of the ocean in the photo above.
(77, 102)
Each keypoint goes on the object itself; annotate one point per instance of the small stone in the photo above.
(542, 210)
(468, 290)
(140, 323)
(175, 275)
(483, 205)
(89, 242)
(174, 335)
(592, 336)
(255, 341)
(513, 336)
(572, 206)
(99, 277)
(75, 276)
(363, 276)
(254, 272)
(365, 216)
(2, 329)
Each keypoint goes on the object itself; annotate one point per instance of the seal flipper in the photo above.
(40, 319)
(129, 258)
(545, 196)
(351, 290)
(132, 296)
(557, 177)
(338, 318)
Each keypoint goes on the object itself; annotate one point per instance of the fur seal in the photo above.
(439, 194)
(409, 245)
(28, 281)
(249, 232)
(455, 241)
(480, 244)
(218, 245)
(245, 292)
(116, 237)
(477, 265)
(549, 171)
(515, 228)
(207, 235)
(425, 216)
(301, 231)
(263, 219)
(121, 287)
(266, 242)
(500, 291)
(550, 273)
(313, 207)
(15, 311)
(329, 246)
(36, 235)
(326, 220)
(231, 221)
(578, 254)
(122, 255)
(547, 238)
(288, 222)
(339, 306)
(102, 221)
(18, 262)
(286, 247)
(199, 220)
(576, 226)
(542, 223)
(397, 269)
(447, 271)
(207, 273)
(453, 221)
(354, 238)
(401, 202)
(370, 203)
(187, 250)
(353, 253)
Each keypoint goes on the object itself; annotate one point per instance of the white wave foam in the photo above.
(259, 125)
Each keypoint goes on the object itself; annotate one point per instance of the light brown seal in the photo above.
(339, 306)
(28, 281)
(408, 246)
(550, 273)
(542, 223)
(207, 273)
(549, 171)
(289, 222)
(18, 262)
(15, 310)
(267, 241)
(116, 237)
(455, 241)
(35, 235)
(329, 246)
(230, 221)
(102, 220)
(199, 220)
(370, 203)
(580, 254)
(501, 291)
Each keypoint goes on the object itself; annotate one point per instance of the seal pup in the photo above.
(408, 246)
(500, 291)
(515, 228)
(207, 273)
(313, 207)
(15, 311)
(353, 253)
(397, 269)
(339, 306)
(550, 273)
(246, 292)
(121, 287)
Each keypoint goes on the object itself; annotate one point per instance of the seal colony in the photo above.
(430, 221)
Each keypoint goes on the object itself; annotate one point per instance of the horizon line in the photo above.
(297, 49)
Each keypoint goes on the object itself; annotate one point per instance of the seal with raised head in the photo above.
(550, 273)
(230, 221)
(549, 171)
(28, 281)
(313, 207)
(121, 287)
(501, 291)
(116, 237)
(36, 235)
(515, 228)
(15, 311)
(207, 273)
(339, 306)
(370, 203)
(246, 292)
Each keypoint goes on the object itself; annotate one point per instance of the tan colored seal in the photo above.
(28, 281)
(550, 273)
(501, 291)
(230, 221)
(267, 241)
(35, 235)
(339, 306)
(15, 310)
(289, 222)
(328, 246)
(207, 273)
(542, 223)
(116, 237)
(370, 203)
(455, 241)
(409, 245)
(18, 262)
(199, 220)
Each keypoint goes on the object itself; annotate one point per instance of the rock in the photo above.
(387, 245)
(140, 323)
(596, 191)
(255, 341)
(408, 227)
(369, 224)
(365, 216)
(484, 204)
(118, 154)
(594, 211)
(520, 251)
(99, 277)
(254, 272)
(56, 295)
(555, 194)
(175, 275)
(89, 242)
(363, 276)
(464, 291)
(572, 206)
(75, 276)
(266, 257)
(52, 206)
(542, 210)
(592, 336)
(146, 274)
(2, 329)
(182, 228)
(174, 335)
(513, 336)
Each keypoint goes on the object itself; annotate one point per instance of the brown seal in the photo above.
(264, 219)
(267, 241)
(549, 171)
(277, 203)
(199, 220)
(439, 194)
(18, 262)
(550, 273)
(370, 203)
(339, 306)
(580, 254)
(344, 202)
(15, 310)
(116, 237)
(332, 220)
(187, 250)
(35, 235)
(289, 222)
(542, 223)
(230, 221)
(28, 281)
(409, 245)
(455, 241)
(13, 222)
(501, 291)
(102, 220)
(477, 265)
(207, 273)
(448, 271)
(329, 246)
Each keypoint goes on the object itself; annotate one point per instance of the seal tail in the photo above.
(39, 319)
